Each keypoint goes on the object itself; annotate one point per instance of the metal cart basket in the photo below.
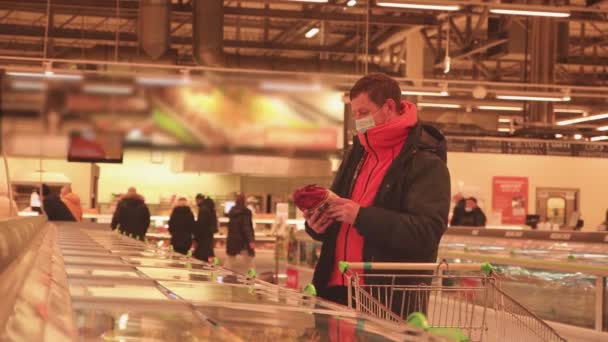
(464, 306)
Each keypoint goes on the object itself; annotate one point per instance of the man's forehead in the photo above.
(361, 100)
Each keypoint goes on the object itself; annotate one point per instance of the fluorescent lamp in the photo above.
(28, 85)
(433, 7)
(46, 74)
(533, 98)
(551, 14)
(290, 86)
(558, 135)
(315, 1)
(162, 81)
(439, 105)
(569, 110)
(503, 108)
(425, 93)
(110, 89)
(599, 138)
(504, 120)
(578, 136)
(351, 3)
(603, 128)
(312, 32)
(583, 119)
(504, 130)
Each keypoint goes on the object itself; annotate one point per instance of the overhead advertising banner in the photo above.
(510, 198)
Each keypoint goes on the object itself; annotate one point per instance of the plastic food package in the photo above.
(312, 197)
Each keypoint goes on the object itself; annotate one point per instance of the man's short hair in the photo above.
(379, 88)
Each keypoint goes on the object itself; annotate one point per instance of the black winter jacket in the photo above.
(181, 227)
(56, 210)
(206, 226)
(410, 211)
(132, 216)
(474, 218)
(240, 231)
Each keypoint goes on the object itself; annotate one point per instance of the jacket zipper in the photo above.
(364, 190)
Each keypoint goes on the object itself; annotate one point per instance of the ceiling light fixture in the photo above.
(558, 135)
(50, 75)
(583, 119)
(290, 86)
(409, 5)
(599, 138)
(603, 128)
(547, 97)
(578, 136)
(569, 110)
(504, 130)
(109, 89)
(28, 85)
(532, 13)
(504, 120)
(351, 3)
(502, 108)
(426, 92)
(439, 105)
(312, 32)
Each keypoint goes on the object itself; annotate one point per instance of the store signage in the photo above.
(510, 197)
(529, 147)
(292, 278)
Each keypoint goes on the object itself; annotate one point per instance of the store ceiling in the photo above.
(271, 34)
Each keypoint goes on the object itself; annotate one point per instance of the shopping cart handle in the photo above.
(343, 266)
(311, 290)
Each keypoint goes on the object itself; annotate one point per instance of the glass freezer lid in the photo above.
(263, 323)
(121, 322)
(73, 259)
(182, 274)
(101, 272)
(151, 262)
(107, 290)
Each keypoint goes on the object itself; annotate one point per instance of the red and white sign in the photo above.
(292, 278)
(510, 197)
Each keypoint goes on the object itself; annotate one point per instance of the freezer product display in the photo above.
(114, 321)
(185, 275)
(127, 272)
(273, 323)
(116, 290)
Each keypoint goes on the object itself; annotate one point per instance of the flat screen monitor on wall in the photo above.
(94, 147)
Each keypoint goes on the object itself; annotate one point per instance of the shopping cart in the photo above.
(466, 306)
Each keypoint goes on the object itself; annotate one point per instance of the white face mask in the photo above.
(365, 123)
(468, 210)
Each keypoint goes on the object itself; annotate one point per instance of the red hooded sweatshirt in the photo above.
(382, 144)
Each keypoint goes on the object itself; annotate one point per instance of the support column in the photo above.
(419, 59)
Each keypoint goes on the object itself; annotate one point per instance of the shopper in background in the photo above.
(206, 226)
(241, 238)
(604, 225)
(472, 215)
(132, 215)
(394, 192)
(72, 201)
(181, 226)
(459, 209)
(54, 207)
(35, 203)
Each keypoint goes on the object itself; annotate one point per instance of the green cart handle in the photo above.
(251, 273)
(311, 290)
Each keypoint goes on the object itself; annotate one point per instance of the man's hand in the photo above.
(343, 210)
(252, 246)
(318, 221)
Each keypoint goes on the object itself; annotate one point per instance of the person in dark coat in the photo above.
(54, 207)
(181, 226)
(241, 238)
(471, 216)
(393, 195)
(459, 209)
(206, 227)
(132, 215)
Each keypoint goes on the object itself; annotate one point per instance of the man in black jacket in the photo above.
(132, 215)
(394, 189)
(54, 207)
